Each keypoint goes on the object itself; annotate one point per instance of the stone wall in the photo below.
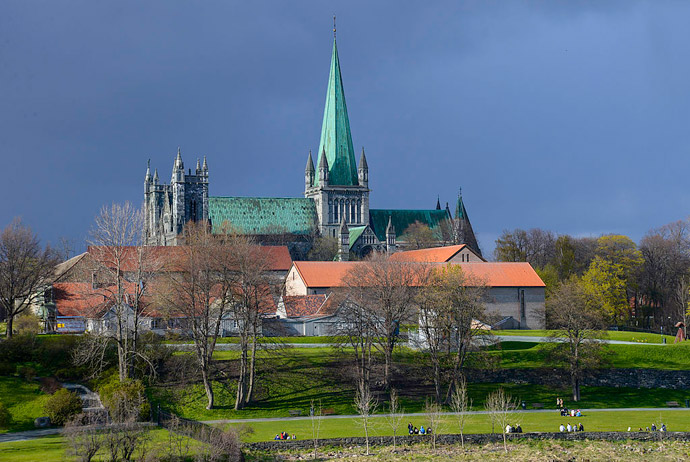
(631, 378)
(472, 439)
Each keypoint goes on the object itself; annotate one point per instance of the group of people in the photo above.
(516, 429)
(412, 430)
(572, 428)
(662, 428)
(285, 436)
(565, 412)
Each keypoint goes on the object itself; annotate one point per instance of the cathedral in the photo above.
(335, 202)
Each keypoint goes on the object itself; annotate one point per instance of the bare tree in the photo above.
(460, 404)
(433, 412)
(251, 293)
(395, 413)
(84, 438)
(449, 304)
(366, 405)
(123, 270)
(324, 248)
(500, 407)
(683, 300)
(386, 291)
(316, 417)
(196, 292)
(575, 319)
(26, 270)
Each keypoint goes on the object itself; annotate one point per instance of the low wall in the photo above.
(631, 378)
(472, 439)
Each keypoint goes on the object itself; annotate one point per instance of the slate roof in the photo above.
(432, 255)
(264, 215)
(402, 219)
(336, 139)
(501, 274)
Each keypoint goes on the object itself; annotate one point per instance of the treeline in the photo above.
(643, 285)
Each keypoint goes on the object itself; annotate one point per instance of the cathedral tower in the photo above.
(168, 207)
(339, 188)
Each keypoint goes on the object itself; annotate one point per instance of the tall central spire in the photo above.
(336, 139)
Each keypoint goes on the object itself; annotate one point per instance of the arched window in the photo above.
(330, 210)
(342, 208)
(347, 211)
(353, 213)
(359, 211)
(336, 211)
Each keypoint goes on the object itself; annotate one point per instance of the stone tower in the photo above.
(168, 207)
(339, 188)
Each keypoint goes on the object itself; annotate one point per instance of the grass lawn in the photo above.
(270, 340)
(52, 448)
(24, 400)
(672, 357)
(478, 423)
(642, 337)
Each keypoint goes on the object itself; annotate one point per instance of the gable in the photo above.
(263, 215)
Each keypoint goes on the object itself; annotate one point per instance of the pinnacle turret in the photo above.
(310, 164)
(178, 160)
(198, 166)
(205, 166)
(148, 172)
(155, 176)
(323, 170)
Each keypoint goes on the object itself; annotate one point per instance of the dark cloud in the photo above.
(565, 115)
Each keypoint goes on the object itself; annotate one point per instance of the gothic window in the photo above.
(336, 211)
(347, 211)
(353, 214)
(192, 211)
(359, 211)
(330, 210)
(342, 208)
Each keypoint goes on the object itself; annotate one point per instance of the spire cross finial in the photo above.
(333, 26)
(460, 191)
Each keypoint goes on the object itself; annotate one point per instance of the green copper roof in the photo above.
(402, 219)
(263, 215)
(336, 139)
(355, 232)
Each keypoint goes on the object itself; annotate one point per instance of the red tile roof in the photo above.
(303, 305)
(434, 254)
(502, 274)
(81, 299)
(277, 256)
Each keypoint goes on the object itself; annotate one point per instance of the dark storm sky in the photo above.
(570, 116)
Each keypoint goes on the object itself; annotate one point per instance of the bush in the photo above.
(28, 323)
(126, 400)
(62, 406)
(5, 417)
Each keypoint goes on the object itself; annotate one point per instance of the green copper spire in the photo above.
(336, 139)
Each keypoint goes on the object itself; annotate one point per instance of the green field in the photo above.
(478, 423)
(52, 448)
(641, 337)
(24, 400)
(533, 355)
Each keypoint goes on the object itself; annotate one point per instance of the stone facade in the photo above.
(524, 304)
(168, 207)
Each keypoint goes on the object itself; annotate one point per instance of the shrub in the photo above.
(28, 323)
(126, 400)
(62, 406)
(5, 417)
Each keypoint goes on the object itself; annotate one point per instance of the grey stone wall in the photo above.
(472, 439)
(506, 302)
(630, 378)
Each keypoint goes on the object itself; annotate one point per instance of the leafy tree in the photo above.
(577, 319)
(324, 248)
(5, 417)
(420, 236)
(25, 269)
